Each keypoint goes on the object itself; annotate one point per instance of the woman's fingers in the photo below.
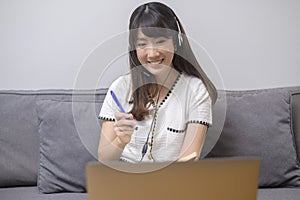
(123, 134)
(125, 129)
(124, 126)
(125, 121)
(120, 116)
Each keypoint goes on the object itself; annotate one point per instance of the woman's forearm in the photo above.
(111, 151)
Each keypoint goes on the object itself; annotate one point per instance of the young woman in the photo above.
(167, 96)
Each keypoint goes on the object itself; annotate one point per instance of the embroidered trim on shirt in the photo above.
(106, 118)
(124, 160)
(156, 113)
(170, 91)
(175, 130)
(199, 122)
(161, 103)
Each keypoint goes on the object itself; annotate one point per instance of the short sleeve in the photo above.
(121, 88)
(200, 104)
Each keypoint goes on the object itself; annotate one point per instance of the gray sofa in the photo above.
(48, 136)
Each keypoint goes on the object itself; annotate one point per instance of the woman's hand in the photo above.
(124, 127)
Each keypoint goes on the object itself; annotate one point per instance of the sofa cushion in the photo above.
(69, 135)
(296, 117)
(258, 123)
(19, 143)
(18, 139)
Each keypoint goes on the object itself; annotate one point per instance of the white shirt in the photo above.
(186, 102)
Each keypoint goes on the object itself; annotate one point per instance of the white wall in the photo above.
(44, 44)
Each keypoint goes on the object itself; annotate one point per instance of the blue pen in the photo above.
(117, 101)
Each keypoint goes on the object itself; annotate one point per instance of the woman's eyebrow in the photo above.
(140, 39)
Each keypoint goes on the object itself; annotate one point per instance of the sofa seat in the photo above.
(278, 194)
(32, 193)
(24, 193)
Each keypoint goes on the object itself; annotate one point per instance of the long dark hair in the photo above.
(158, 15)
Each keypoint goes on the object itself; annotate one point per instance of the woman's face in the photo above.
(155, 54)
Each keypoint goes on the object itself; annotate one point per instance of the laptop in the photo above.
(208, 179)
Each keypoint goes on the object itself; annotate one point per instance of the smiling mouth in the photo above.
(156, 62)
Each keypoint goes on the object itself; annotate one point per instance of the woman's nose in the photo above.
(152, 52)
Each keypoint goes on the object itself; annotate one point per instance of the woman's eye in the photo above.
(160, 41)
(141, 45)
